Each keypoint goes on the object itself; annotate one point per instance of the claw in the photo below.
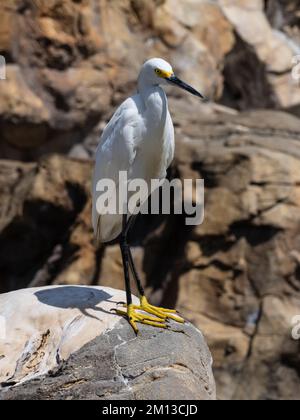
(133, 317)
(113, 310)
(160, 312)
(159, 320)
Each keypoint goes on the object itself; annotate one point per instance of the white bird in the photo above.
(139, 139)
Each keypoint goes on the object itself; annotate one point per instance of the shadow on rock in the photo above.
(68, 297)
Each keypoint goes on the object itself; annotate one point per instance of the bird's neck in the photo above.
(155, 101)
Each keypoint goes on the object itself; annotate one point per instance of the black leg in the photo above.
(128, 225)
(135, 274)
(125, 256)
(158, 315)
(137, 280)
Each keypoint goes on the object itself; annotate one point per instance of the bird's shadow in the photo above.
(79, 297)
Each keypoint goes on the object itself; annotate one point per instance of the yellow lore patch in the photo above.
(164, 74)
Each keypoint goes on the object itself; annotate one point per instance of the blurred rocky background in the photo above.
(237, 276)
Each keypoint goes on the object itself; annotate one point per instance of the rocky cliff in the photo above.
(237, 276)
(70, 62)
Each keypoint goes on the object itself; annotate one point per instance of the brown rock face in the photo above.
(70, 62)
(240, 274)
(40, 204)
(272, 47)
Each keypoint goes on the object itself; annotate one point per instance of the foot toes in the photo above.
(153, 319)
(133, 324)
(118, 312)
(166, 313)
(159, 320)
(140, 317)
(155, 312)
(154, 324)
(113, 310)
(169, 311)
(177, 319)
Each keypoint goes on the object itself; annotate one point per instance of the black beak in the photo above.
(175, 81)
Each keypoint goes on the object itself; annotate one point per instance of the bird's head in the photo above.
(159, 72)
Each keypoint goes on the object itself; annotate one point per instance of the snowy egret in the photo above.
(139, 139)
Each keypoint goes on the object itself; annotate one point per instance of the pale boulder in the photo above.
(65, 343)
(45, 325)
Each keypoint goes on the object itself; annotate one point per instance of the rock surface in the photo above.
(64, 343)
(272, 45)
(68, 66)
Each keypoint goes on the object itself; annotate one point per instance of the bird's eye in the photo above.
(157, 71)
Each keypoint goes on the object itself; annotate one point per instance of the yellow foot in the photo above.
(133, 317)
(161, 313)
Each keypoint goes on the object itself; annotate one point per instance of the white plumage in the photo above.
(138, 139)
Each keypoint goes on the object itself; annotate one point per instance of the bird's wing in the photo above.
(170, 140)
(117, 150)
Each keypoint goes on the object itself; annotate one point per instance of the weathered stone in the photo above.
(64, 342)
(21, 109)
(273, 47)
(47, 199)
(68, 66)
